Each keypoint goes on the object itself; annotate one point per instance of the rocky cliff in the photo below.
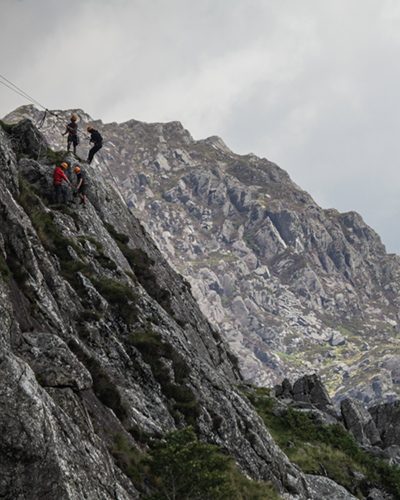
(293, 288)
(102, 343)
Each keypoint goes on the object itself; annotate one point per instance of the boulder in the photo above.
(324, 488)
(285, 390)
(387, 420)
(359, 422)
(310, 389)
(337, 340)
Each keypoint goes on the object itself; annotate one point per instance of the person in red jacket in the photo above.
(59, 179)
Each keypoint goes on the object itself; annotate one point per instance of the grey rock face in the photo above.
(387, 420)
(324, 488)
(43, 454)
(310, 389)
(294, 288)
(53, 362)
(376, 494)
(81, 292)
(359, 422)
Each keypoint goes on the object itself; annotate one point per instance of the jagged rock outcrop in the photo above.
(387, 420)
(359, 422)
(294, 288)
(101, 338)
(374, 429)
(323, 487)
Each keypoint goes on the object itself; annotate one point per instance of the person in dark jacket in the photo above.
(97, 141)
(72, 131)
(81, 187)
(59, 178)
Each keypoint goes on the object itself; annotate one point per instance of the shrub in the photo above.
(129, 460)
(327, 449)
(104, 388)
(184, 468)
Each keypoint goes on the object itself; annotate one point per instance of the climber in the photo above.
(81, 187)
(97, 140)
(72, 131)
(59, 178)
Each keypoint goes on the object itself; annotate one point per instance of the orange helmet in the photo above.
(74, 117)
(64, 165)
(77, 169)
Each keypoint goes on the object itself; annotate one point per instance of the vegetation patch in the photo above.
(106, 262)
(44, 224)
(119, 295)
(93, 241)
(103, 386)
(90, 316)
(6, 127)
(142, 264)
(181, 467)
(5, 271)
(54, 157)
(130, 460)
(163, 358)
(325, 449)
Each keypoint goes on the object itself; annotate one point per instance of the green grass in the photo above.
(93, 241)
(324, 449)
(43, 222)
(89, 316)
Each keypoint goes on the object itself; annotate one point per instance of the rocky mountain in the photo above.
(294, 288)
(112, 379)
(100, 339)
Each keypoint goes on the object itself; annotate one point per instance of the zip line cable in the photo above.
(8, 83)
(16, 91)
(12, 86)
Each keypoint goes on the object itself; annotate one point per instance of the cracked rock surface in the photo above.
(294, 288)
(82, 294)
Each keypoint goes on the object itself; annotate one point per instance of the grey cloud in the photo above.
(311, 85)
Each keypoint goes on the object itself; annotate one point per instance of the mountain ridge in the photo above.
(292, 286)
(110, 371)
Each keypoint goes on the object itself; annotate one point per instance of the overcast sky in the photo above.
(312, 85)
